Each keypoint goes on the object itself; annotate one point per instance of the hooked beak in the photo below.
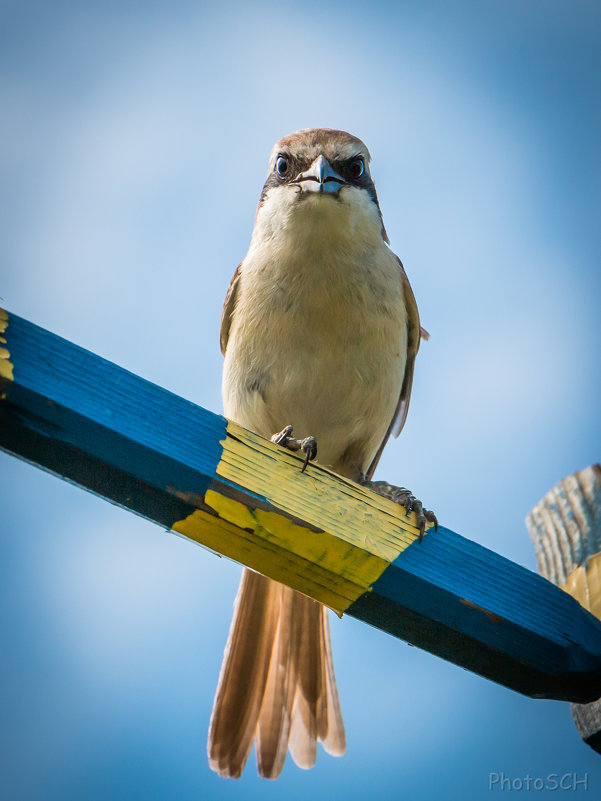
(321, 178)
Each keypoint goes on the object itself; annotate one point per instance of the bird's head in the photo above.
(318, 176)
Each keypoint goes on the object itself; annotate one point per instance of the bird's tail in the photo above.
(277, 683)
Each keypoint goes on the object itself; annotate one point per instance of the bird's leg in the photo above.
(407, 500)
(308, 445)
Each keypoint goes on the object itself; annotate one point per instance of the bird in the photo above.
(319, 332)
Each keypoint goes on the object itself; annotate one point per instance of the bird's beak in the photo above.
(320, 177)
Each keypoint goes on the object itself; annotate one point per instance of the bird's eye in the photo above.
(282, 165)
(356, 168)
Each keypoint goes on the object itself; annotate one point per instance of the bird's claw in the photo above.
(407, 500)
(308, 445)
(281, 437)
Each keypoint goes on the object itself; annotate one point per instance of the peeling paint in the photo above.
(490, 615)
(6, 366)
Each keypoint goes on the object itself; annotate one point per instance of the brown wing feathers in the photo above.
(414, 334)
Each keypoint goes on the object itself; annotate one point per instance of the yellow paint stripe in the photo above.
(584, 584)
(261, 547)
(6, 367)
(321, 565)
(334, 549)
(314, 497)
(338, 561)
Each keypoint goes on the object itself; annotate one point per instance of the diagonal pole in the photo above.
(195, 473)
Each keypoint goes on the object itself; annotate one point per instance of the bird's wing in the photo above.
(229, 305)
(414, 334)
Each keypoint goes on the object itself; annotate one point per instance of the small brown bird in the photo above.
(320, 330)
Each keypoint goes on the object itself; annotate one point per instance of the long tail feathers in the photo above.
(243, 675)
(277, 683)
(276, 710)
(335, 740)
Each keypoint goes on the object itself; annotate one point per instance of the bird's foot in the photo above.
(308, 445)
(407, 500)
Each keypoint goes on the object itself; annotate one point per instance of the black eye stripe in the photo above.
(274, 180)
(352, 169)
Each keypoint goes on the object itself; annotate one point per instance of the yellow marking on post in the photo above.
(584, 584)
(333, 549)
(314, 497)
(318, 539)
(325, 570)
(344, 573)
(6, 367)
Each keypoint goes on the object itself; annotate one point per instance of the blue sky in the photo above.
(134, 144)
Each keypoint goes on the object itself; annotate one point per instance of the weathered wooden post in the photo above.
(566, 530)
